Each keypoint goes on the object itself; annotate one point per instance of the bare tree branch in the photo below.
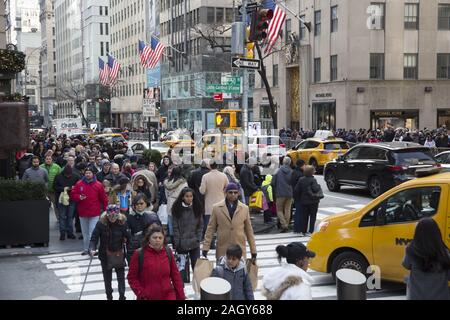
(210, 37)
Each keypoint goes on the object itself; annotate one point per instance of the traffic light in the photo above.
(249, 46)
(259, 24)
(228, 119)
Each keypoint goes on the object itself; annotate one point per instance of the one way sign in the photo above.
(245, 63)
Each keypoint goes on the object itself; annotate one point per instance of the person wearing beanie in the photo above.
(230, 218)
(91, 199)
(290, 281)
(64, 182)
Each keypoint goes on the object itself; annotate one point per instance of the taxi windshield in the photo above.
(336, 146)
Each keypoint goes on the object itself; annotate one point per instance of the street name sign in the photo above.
(245, 63)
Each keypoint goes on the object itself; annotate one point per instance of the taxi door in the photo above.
(397, 217)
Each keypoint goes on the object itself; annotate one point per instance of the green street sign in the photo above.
(233, 85)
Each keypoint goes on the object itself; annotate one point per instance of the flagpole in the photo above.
(296, 15)
(169, 45)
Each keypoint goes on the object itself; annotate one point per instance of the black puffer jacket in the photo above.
(195, 180)
(247, 180)
(61, 181)
(112, 235)
(304, 189)
(187, 230)
(137, 224)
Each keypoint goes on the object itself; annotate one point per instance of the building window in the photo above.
(410, 67)
(317, 70)
(107, 47)
(106, 29)
(317, 22)
(219, 15)
(377, 15)
(444, 17)
(443, 66)
(302, 28)
(229, 15)
(106, 11)
(101, 28)
(101, 49)
(209, 15)
(288, 29)
(377, 66)
(333, 68)
(334, 19)
(275, 75)
(101, 10)
(411, 16)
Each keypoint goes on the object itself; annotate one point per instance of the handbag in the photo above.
(317, 195)
(115, 259)
(64, 198)
(256, 200)
(162, 213)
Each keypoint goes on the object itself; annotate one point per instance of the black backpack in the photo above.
(141, 259)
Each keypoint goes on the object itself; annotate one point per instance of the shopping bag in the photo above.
(183, 266)
(255, 201)
(162, 213)
(252, 271)
(202, 270)
(265, 204)
(64, 198)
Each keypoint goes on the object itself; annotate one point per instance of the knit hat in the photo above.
(232, 186)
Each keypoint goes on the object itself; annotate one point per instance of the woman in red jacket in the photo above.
(91, 200)
(158, 277)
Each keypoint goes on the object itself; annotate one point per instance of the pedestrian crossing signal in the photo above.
(228, 119)
(223, 120)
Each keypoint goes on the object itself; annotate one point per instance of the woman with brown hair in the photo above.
(153, 273)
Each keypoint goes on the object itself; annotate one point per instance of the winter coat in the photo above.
(187, 230)
(173, 189)
(151, 180)
(287, 282)
(137, 224)
(281, 182)
(96, 200)
(36, 175)
(230, 231)
(101, 175)
(232, 179)
(158, 280)
(195, 181)
(425, 285)
(112, 236)
(162, 172)
(241, 285)
(267, 188)
(61, 182)
(53, 170)
(304, 189)
(296, 175)
(247, 180)
(213, 187)
(114, 179)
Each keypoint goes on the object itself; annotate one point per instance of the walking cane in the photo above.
(85, 278)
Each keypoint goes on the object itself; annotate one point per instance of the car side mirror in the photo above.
(380, 217)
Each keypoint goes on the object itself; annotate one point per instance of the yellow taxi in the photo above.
(214, 145)
(176, 140)
(318, 151)
(378, 233)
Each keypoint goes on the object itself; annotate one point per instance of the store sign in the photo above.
(388, 113)
(68, 126)
(324, 95)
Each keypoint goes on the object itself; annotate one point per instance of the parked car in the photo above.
(138, 147)
(378, 166)
(318, 151)
(261, 146)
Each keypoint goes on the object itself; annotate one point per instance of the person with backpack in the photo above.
(112, 232)
(187, 213)
(138, 221)
(428, 260)
(309, 193)
(232, 269)
(153, 273)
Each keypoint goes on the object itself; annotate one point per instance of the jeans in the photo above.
(297, 216)
(66, 215)
(284, 211)
(107, 279)
(170, 224)
(87, 227)
(308, 212)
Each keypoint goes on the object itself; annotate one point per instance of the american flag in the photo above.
(145, 52)
(275, 24)
(114, 68)
(157, 51)
(104, 72)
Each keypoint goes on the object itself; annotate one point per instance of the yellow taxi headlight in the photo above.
(322, 226)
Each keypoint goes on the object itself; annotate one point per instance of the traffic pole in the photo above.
(245, 86)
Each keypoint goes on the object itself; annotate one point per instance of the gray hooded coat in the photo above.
(281, 183)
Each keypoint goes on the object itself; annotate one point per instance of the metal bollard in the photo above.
(214, 288)
(350, 285)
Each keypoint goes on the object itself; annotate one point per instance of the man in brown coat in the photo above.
(231, 219)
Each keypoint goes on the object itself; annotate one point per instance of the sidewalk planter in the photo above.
(24, 213)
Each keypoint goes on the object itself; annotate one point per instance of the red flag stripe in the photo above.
(156, 55)
(275, 26)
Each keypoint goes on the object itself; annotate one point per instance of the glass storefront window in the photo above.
(324, 115)
(395, 119)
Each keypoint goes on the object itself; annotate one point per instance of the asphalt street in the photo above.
(57, 272)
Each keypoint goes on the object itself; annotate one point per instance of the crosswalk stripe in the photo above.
(334, 210)
(71, 269)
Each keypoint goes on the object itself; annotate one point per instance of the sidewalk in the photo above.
(54, 246)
